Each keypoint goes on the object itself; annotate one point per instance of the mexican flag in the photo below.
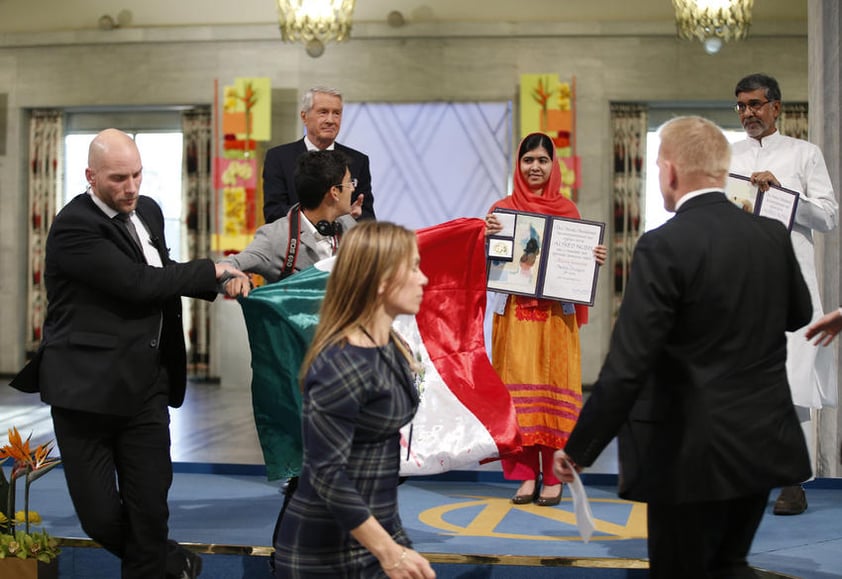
(465, 417)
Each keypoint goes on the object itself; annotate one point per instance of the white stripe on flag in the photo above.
(445, 434)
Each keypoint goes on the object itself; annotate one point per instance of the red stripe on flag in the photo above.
(451, 324)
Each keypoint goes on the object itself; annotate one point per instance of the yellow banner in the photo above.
(247, 109)
(548, 105)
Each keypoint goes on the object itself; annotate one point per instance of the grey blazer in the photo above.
(266, 254)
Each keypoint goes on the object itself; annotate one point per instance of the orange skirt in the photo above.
(535, 350)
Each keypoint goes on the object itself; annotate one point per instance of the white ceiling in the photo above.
(53, 15)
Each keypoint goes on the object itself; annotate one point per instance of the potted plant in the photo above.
(24, 552)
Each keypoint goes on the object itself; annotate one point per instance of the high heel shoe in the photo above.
(550, 501)
(527, 498)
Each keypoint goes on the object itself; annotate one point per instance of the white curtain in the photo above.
(629, 128)
(197, 127)
(793, 121)
(432, 162)
(45, 161)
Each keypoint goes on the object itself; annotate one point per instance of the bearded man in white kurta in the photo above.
(770, 158)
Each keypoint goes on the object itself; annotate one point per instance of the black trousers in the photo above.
(707, 540)
(119, 472)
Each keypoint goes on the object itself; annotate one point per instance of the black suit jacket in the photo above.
(113, 322)
(695, 379)
(279, 179)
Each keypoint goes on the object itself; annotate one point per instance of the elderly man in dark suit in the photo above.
(695, 379)
(321, 113)
(113, 358)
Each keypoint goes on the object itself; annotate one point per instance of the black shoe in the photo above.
(550, 501)
(192, 566)
(791, 501)
(182, 563)
(526, 499)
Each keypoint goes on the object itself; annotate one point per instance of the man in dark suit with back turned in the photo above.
(695, 379)
(321, 113)
(113, 358)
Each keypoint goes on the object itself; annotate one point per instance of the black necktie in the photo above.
(125, 219)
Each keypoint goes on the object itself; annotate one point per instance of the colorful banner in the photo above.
(247, 109)
(236, 173)
(246, 120)
(548, 105)
(466, 415)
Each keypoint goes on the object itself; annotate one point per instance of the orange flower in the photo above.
(16, 449)
(249, 97)
(30, 465)
(541, 93)
(42, 456)
(26, 461)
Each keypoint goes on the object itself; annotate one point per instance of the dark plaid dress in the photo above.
(355, 401)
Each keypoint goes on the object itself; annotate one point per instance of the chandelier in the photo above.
(315, 22)
(713, 21)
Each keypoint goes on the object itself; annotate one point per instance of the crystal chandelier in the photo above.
(713, 21)
(315, 22)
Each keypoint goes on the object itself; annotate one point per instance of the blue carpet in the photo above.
(446, 515)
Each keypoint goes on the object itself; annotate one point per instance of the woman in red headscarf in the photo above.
(535, 342)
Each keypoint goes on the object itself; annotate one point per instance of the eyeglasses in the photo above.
(352, 183)
(753, 106)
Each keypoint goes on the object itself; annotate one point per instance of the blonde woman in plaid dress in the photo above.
(358, 391)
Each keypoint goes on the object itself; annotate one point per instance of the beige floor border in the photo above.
(444, 558)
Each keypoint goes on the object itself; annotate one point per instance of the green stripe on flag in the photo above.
(281, 319)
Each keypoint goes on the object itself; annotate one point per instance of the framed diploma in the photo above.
(776, 203)
(551, 257)
(571, 271)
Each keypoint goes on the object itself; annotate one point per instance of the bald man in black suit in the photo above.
(113, 358)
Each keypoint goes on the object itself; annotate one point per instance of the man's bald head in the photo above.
(114, 170)
(108, 141)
